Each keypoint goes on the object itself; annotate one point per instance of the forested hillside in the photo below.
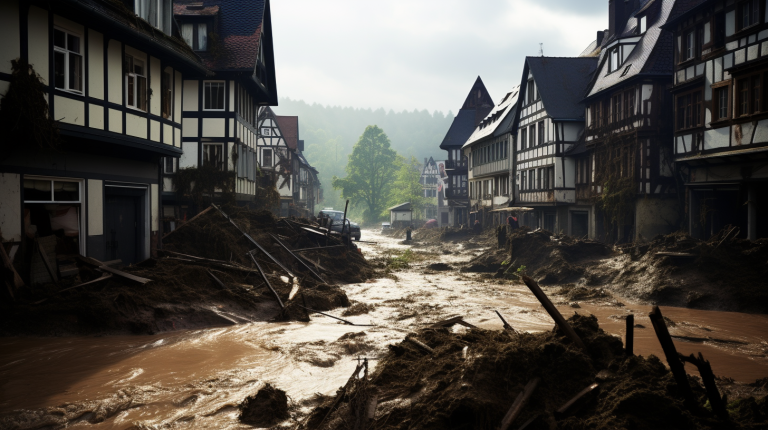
(330, 132)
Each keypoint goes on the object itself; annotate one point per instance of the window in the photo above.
(155, 12)
(541, 132)
(689, 110)
(749, 14)
(196, 35)
(135, 83)
(597, 117)
(643, 24)
(719, 29)
(530, 93)
(616, 111)
(522, 180)
(167, 94)
(266, 157)
(523, 137)
(629, 103)
(67, 61)
(743, 94)
(721, 98)
(169, 165)
(48, 190)
(213, 95)
(213, 156)
(614, 60)
(688, 46)
(531, 136)
(755, 94)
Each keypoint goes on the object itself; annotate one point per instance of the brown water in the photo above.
(195, 379)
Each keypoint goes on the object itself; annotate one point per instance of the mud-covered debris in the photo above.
(266, 408)
(446, 391)
(440, 267)
(358, 308)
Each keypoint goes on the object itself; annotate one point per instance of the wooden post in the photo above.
(563, 409)
(517, 406)
(553, 312)
(675, 365)
(420, 344)
(629, 344)
(297, 258)
(344, 220)
(705, 370)
(506, 325)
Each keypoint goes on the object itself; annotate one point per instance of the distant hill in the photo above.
(330, 132)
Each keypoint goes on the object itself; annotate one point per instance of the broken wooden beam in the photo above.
(420, 344)
(564, 409)
(187, 222)
(629, 343)
(264, 276)
(708, 377)
(103, 277)
(519, 402)
(451, 321)
(122, 274)
(215, 279)
(670, 352)
(553, 312)
(279, 242)
(506, 325)
(319, 248)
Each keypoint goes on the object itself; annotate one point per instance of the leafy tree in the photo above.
(370, 172)
(406, 187)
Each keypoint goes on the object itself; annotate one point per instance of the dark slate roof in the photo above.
(238, 27)
(401, 207)
(113, 16)
(477, 106)
(562, 82)
(289, 127)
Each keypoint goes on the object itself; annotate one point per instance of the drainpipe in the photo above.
(751, 213)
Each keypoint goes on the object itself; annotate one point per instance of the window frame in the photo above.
(130, 73)
(717, 90)
(755, 15)
(693, 115)
(222, 158)
(195, 45)
(67, 54)
(223, 98)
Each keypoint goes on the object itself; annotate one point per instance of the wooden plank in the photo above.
(122, 274)
(279, 242)
(187, 222)
(46, 263)
(12, 253)
(8, 263)
(103, 277)
(553, 312)
(676, 254)
(563, 409)
(506, 325)
(264, 276)
(519, 402)
(319, 248)
(708, 377)
(420, 344)
(216, 280)
(670, 352)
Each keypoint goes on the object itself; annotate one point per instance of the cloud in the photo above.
(419, 54)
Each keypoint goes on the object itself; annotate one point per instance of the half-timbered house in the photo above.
(625, 171)
(721, 116)
(220, 111)
(549, 123)
(454, 208)
(275, 155)
(489, 154)
(112, 75)
(428, 181)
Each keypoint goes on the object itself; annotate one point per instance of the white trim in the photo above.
(223, 92)
(67, 52)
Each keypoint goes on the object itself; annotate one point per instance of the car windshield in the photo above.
(336, 216)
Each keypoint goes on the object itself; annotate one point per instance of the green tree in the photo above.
(406, 187)
(370, 172)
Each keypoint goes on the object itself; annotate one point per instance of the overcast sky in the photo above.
(419, 54)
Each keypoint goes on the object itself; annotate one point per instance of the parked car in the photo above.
(386, 226)
(431, 224)
(335, 217)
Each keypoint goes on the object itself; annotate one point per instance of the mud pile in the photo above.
(472, 378)
(188, 291)
(265, 408)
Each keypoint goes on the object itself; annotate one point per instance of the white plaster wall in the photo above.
(717, 138)
(189, 157)
(190, 95)
(95, 205)
(135, 126)
(189, 127)
(214, 127)
(155, 83)
(115, 121)
(96, 66)
(761, 134)
(38, 41)
(96, 117)
(69, 111)
(167, 134)
(10, 206)
(9, 34)
(154, 130)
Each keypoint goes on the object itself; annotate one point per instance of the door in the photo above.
(580, 224)
(122, 228)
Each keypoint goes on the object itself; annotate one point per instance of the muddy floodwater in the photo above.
(195, 379)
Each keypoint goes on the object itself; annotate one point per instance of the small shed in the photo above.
(401, 215)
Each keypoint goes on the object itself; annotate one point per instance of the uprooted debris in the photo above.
(266, 408)
(218, 268)
(722, 273)
(470, 380)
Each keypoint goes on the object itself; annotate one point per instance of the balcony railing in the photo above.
(456, 164)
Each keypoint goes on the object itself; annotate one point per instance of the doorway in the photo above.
(580, 224)
(124, 224)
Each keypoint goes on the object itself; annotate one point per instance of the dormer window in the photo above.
(643, 24)
(196, 35)
(614, 59)
(749, 13)
(155, 12)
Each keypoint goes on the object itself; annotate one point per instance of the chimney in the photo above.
(599, 38)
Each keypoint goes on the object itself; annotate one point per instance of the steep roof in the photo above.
(562, 82)
(476, 106)
(401, 207)
(498, 120)
(238, 27)
(289, 126)
(653, 53)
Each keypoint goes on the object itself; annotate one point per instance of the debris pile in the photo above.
(265, 408)
(470, 380)
(217, 268)
(723, 273)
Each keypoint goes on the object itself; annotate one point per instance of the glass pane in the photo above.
(66, 191)
(138, 67)
(219, 96)
(73, 43)
(142, 92)
(202, 37)
(75, 72)
(207, 96)
(59, 69)
(186, 33)
(59, 38)
(37, 190)
(130, 90)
